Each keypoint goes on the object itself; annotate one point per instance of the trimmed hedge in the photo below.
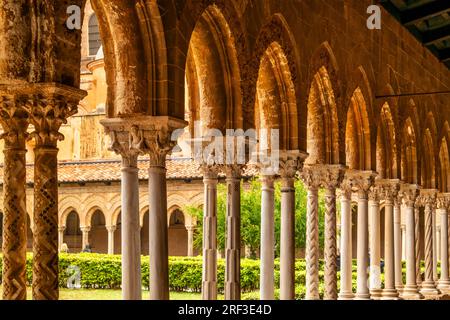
(102, 271)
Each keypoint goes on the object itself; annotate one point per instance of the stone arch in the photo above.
(133, 89)
(98, 234)
(322, 121)
(409, 153)
(213, 70)
(357, 133)
(428, 172)
(187, 218)
(88, 217)
(386, 148)
(142, 212)
(65, 214)
(276, 43)
(114, 216)
(444, 166)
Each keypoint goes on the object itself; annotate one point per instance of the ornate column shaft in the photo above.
(49, 109)
(290, 163)
(443, 202)
(398, 244)
(428, 286)
(111, 230)
(434, 236)
(233, 239)
(209, 277)
(267, 282)
(346, 292)
(84, 236)
(389, 193)
(375, 242)
(190, 230)
(409, 194)
(332, 177)
(311, 178)
(14, 121)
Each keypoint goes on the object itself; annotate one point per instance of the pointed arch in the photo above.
(357, 134)
(386, 149)
(409, 161)
(444, 166)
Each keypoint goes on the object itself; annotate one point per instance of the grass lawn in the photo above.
(105, 294)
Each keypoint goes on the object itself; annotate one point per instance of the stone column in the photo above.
(209, 276)
(55, 104)
(429, 286)
(14, 121)
(311, 177)
(111, 230)
(190, 231)
(267, 282)
(443, 202)
(346, 292)
(438, 240)
(409, 194)
(290, 163)
(398, 244)
(418, 253)
(434, 235)
(233, 239)
(61, 236)
(403, 241)
(375, 243)
(389, 193)
(84, 236)
(361, 181)
(331, 178)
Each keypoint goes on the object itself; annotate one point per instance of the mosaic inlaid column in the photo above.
(428, 286)
(332, 177)
(267, 281)
(443, 202)
(55, 105)
(390, 190)
(209, 275)
(375, 243)
(311, 178)
(346, 292)
(233, 239)
(14, 121)
(409, 194)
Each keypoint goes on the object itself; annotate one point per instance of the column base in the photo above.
(390, 294)
(411, 293)
(346, 296)
(362, 296)
(375, 294)
(429, 289)
(444, 285)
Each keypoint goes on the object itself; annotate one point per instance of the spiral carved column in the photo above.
(14, 121)
(311, 179)
(429, 286)
(332, 178)
(417, 233)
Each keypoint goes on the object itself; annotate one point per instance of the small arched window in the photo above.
(94, 36)
(177, 218)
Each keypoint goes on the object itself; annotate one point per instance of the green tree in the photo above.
(251, 216)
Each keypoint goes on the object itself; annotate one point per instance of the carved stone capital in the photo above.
(428, 197)
(210, 172)
(389, 188)
(409, 194)
(291, 161)
(233, 171)
(443, 201)
(111, 228)
(321, 175)
(142, 134)
(85, 229)
(14, 120)
(62, 229)
(358, 181)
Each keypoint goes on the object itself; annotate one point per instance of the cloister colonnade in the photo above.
(237, 64)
